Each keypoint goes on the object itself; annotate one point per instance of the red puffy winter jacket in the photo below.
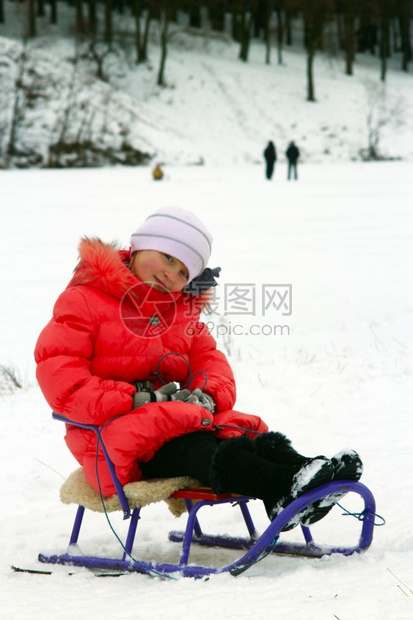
(110, 330)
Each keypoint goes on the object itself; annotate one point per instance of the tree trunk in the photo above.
(288, 31)
(404, 20)
(216, 15)
(384, 45)
(349, 41)
(80, 22)
(315, 13)
(194, 16)
(32, 20)
(53, 14)
(280, 35)
(99, 56)
(267, 33)
(93, 22)
(2, 18)
(138, 42)
(141, 41)
(247, 20)
(40, 8)
(146, 32)
(340, 32)
(164, 24)
(310, 81)
(108, 21)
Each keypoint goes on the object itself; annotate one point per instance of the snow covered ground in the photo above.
(339, 374)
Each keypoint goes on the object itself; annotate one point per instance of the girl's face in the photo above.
(159, 270)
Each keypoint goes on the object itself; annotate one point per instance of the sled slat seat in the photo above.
(185, 494)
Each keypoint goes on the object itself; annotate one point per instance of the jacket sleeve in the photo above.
(210, 369)
(234, 423)
(63, 355)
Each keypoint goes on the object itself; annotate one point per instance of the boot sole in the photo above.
(351, 469)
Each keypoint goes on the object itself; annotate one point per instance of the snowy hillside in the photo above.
(215, 110)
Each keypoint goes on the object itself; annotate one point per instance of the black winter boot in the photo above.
(347, 466)
(277, 448)
(237, 468)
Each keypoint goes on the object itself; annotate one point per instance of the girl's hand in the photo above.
(198, 397)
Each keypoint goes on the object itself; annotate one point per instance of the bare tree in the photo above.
(315, 14)
(245, 17)
(31, 20)
(93, 20)
(216, 14)
(267, 10)
(279, 10)
(384, 36)
(40, 8)
(348, 9)
(16, 115)
(53, 12)
(405, 12)
(163, 26)
(382, 113)
(9, 379)
(98, 51)
(80, 21)
(108, 22)
(142, 12)
(288, 29)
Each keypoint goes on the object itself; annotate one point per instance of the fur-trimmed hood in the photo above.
(103, 266)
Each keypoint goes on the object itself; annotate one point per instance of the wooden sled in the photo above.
(132, 498)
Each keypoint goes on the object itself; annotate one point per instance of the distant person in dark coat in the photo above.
(270, 156)
(292, 154)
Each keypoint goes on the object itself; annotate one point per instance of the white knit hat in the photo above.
(176, 232)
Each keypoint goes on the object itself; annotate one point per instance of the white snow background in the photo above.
(342, 237)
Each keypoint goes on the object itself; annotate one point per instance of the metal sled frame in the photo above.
(254, 546)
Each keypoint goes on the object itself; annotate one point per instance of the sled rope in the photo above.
(237, 570)
(190, 375)
(152, 570)
(360, 516)
(237, 428)
(188, 386)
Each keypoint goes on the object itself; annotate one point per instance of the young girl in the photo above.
(124, 335)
